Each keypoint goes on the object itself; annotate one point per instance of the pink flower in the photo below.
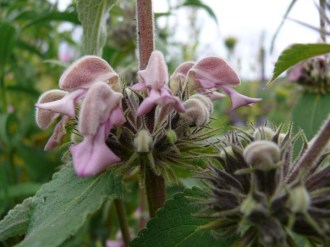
(214, 73)
(100, 112)
(154, 79)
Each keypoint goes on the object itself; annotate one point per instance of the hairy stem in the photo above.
(305, 163)
(121, 213)
(145, 30)
(155, 185)
(155, 190)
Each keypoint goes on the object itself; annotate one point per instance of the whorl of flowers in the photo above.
(256, 196)
(159, 121)
(313, 74)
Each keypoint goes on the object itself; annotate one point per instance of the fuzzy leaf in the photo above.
(310, 112)
(176, 225)
(17, 220)
(295, 54)
(93, 15)
(61, 207)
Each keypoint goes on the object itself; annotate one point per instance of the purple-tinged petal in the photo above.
(45, 118)
(99, 101)
(181, 72)
(155, 76)
(166, 98)
(58, 134)
(92, 155)
(85, 71)
(216, 95)
(117, 117)
(148, 103)
(65, 106)
(212, 71)
(115, 243)
(296, 71)
(139, 86)
(237, 99)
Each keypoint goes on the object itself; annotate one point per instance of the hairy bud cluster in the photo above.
(313, 75)
(254, 196)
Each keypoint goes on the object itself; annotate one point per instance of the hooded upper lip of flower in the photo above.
(90, 80)
(209, 74)
(154, 79)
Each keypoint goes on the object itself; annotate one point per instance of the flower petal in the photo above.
(92, 155)
(212, 71)
(85, 71)
(237, 99)
(65, 106)
(155, 75)
(99, 101)
(45, 118)
(139, 86)
(58, 134)
(148, 103)
(181, 72)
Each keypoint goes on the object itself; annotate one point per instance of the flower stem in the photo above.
(145, 30)
(155, 185)
(155, 190)
(121, 212)
(309, 157)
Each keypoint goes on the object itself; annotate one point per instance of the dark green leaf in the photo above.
(92, 15)
(7, 42)
(176, 225)
(310, 112)
(62, 206)
(295, 54)
(199, 4)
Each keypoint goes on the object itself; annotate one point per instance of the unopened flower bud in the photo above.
(262, 154)
(299, 200)
(263, 133)
(196, 112)
(171, 136)
(205, 100)
(76, 138)
(227, 150)
(250, 205)
(143, 142)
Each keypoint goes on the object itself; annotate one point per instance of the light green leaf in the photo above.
(176, 225)
(200, 4)
(61, 207)
(310, 112)
(295, 54)
(17, 220)
(93, 15)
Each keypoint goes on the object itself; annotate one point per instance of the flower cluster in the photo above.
(158, 121)
(313, 75)
(257, 196)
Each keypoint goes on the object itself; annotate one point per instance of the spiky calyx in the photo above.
(262, 206)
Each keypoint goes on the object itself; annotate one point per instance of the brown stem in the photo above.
(145, 30)
(155, 185)
(121, 213)
(155, 190)
(305, 163)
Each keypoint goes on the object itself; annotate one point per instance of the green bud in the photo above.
(299, 200)
(143, 142)
(76, 138)
(263, 133)
(262, 155)
(171, 136)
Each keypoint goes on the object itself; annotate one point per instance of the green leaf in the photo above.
(92, 15)
(199, 4)
(62, 206)
(295, 54)
(16, 221)
(176, 225)
(310, 112)
(7, 42)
